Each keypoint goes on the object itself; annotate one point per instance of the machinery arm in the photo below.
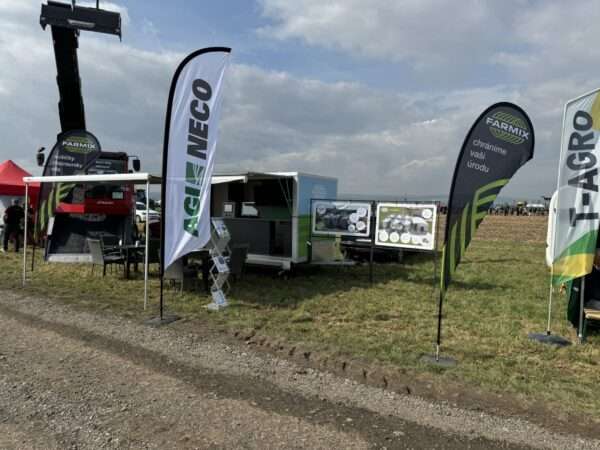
(65, 21)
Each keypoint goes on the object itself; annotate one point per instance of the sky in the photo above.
(379, 94)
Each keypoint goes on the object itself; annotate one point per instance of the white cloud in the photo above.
(559, 40)
(424, 33)
(373, 140)
(536, 40)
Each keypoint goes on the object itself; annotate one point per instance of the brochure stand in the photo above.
(219, 271)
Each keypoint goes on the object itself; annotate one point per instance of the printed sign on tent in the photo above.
(74, 153)
(335, 218)
(406, 225)
(189, 151)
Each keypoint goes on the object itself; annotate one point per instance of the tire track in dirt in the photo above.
(251, 393)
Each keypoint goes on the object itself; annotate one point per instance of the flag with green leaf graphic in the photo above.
(500, 141)
(576, 220)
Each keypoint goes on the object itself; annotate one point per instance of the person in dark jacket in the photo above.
(13, 215)
(591, 293)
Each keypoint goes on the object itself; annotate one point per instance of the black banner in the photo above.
(500, 141)
(73, 153)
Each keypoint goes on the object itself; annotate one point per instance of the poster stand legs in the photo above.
(372, 249)
(371, 265)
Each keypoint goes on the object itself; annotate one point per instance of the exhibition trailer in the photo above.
(270, 212)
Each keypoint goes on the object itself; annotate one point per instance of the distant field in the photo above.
(514, 229)
(498, 296)
(531, 229)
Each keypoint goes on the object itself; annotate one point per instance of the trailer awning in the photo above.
(247, 176)
(286, 190)
(221, 179)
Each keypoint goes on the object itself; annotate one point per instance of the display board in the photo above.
(406, 225)
(335, 218)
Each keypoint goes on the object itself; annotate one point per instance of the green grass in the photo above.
(499, 294)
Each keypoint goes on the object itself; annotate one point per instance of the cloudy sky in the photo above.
(378, 93)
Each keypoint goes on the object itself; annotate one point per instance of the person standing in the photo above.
(13, 215)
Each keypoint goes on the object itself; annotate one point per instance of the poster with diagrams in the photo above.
(335, 218)
(406, 225)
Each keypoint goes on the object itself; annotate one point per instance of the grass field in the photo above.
(499, 294)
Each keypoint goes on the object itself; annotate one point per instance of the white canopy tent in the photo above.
(121, 178)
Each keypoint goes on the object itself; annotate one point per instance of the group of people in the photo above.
(13, 219)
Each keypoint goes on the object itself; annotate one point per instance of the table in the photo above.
(204, 256)
(130, 253)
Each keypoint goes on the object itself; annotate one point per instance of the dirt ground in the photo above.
(73, 379)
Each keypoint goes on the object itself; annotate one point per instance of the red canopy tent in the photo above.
(11, 182)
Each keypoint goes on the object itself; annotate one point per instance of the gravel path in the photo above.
(73, 379)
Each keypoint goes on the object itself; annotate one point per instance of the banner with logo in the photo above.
(406, 225)
(190, 144)
(336, 218)
(500, 141)
(577, 218)
(73, 154)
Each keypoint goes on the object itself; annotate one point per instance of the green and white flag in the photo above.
(189, 151)
(578, 203)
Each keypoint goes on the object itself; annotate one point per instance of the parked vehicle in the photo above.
(140, 213)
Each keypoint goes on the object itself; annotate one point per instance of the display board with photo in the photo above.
(406, 225)
(335, 218)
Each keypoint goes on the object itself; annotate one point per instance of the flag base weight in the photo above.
(439, 361)
(159, 322)
(212, 306)
(550, 339)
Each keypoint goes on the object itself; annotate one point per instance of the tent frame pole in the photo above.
(146, 248)
(25, 233)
